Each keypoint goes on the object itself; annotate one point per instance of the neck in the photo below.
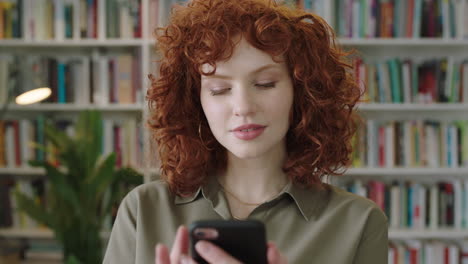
(257, 179)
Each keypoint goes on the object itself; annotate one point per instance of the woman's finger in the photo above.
(214, 254)
(181, 244)
(184, 259)
(162, 255)
(274, 256)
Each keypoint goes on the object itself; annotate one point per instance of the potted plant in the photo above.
(83, 189)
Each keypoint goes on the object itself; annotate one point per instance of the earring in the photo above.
(201, 139)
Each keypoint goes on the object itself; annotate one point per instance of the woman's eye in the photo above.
(266, 85)
(219, 91)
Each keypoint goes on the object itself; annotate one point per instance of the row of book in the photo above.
(9, 215)
(19, 138)
(411, 143)
(160, 11)
(123, 19)
(316, 6)
(34, 251)
(418, 206)
(428, 252)
(398, 80)
(78, 79)
(162, 8)
(68, 19)
(401, 18)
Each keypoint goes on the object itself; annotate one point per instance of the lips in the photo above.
(248, 127)
(248, 132)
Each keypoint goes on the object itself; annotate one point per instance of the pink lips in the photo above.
(253, 131)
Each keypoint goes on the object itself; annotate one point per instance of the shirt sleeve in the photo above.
(373, 246)
(121, 246)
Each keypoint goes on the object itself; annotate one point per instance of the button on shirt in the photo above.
(308, 225)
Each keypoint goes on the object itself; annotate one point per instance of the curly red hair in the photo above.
(325, 93)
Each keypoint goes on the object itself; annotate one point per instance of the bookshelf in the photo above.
(371, 48)
(381, 31)
(93, 47)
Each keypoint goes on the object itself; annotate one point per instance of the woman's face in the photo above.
(247, 102)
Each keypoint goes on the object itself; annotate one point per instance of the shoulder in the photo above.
(152, 192)
(356, 206)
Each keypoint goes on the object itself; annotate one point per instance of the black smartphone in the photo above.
(244, 240)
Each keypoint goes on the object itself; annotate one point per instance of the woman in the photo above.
(254, 105)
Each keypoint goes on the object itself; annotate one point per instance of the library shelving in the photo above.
(42, 36)
(374, 44)
(396, 43)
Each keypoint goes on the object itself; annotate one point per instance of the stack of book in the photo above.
(396, 80)
(77, 79)
(411, 143)
(401, 18)
(429, 252)
(418, 206)
(18, 138)
(69, 19)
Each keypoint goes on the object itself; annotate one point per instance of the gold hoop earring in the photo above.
(201, 139)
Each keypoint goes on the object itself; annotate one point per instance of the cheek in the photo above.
(281, 104)
(213, 111)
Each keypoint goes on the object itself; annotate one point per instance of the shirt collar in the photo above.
(310, 201)
(209, 191)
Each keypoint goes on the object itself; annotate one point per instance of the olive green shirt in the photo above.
(307, 225)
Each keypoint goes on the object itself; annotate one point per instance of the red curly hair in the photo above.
(325, 93)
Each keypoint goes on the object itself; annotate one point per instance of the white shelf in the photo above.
(74, 43)
(36, 233)
(398, 234)
(413, 107)
(413, 172)
(403, 234)
(412, 111)
(404, 42)
(74, 108)
(21, 171)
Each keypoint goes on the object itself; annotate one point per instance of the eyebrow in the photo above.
(264, 67)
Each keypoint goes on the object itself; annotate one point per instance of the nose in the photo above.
(244, 102)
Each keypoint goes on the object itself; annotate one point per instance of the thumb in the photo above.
(162, 254)
(274, 256)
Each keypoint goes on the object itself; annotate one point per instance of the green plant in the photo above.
(83, 189)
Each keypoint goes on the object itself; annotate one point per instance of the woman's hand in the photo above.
(213, 254)
(210, 252)
(179, 251)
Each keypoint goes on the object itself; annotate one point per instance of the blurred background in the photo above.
(73, 142)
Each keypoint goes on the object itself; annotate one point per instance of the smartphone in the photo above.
(244, 240)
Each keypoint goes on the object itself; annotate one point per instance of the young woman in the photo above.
(253, 106)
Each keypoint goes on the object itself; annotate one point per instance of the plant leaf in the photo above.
(61, 187)
(34, 210)
(104, 175)
(72, 260)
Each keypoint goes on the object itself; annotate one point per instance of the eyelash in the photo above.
(264, 85)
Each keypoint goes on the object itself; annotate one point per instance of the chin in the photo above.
(249, 153)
